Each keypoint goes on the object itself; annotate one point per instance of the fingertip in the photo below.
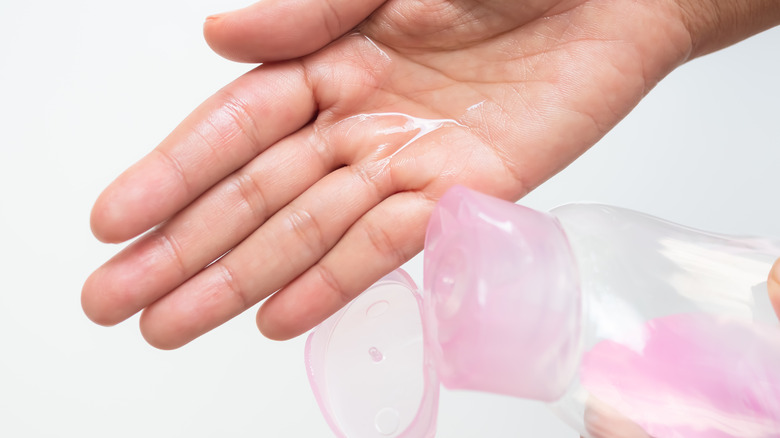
(93, 303)
(270, 30)
(109, 219)
(102, 222)
(217, 34)
(274, 334)
(211, 25)
(281, 318)
(157, 335)
(273, 328)
(159, 342)
(242, 36)
(144, 195)
(96, 316)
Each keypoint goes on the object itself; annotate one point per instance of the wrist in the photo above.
(715, 24)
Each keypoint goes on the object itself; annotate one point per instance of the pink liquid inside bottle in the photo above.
(697, 376)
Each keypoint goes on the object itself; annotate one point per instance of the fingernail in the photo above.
(214, 17)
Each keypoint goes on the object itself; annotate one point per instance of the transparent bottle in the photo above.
(588, 305)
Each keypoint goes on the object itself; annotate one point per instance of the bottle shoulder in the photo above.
(597, 218)
(672, 313)
(630, 261)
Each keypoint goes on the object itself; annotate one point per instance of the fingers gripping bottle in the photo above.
(588, 305)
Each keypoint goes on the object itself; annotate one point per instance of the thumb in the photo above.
(276, 30)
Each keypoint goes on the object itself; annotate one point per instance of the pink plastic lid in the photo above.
(502, 300)
(368, 366)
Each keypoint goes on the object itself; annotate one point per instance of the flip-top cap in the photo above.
(502, 300)
(368, 366)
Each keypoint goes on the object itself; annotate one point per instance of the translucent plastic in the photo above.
(369, 369)
(589, 308)
(676, 331)
(502, 302)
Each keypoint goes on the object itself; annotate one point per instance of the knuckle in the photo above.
(176, 167)
(252, 196)
(239, 114)
(331, 282)
(172, 250)
(308, 229)
(374, 175)
(384, 244)
(332, 20)
(232, 286)
(320, 144)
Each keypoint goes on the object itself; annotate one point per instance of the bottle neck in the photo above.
(502, 298)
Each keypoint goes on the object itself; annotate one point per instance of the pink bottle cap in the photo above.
(502, 298)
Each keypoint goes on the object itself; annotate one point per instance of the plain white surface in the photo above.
(90, 86)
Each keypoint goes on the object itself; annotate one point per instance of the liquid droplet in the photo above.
(375, 354)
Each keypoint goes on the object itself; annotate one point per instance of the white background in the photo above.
(87, 87)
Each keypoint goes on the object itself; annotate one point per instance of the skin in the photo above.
(303, 203)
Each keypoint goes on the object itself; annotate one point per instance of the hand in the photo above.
(314, 174)
(773, 284)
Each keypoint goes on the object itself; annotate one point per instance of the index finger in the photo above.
(222, 134)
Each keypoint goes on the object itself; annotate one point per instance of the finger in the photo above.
(163, 259)
(291, 241)
(603, 421)
(382, 240)
(221, 135)
(773, 284)
(272, 30)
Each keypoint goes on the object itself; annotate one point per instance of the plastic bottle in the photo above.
(588, 305)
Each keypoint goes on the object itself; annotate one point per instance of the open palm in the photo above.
(314, 174)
